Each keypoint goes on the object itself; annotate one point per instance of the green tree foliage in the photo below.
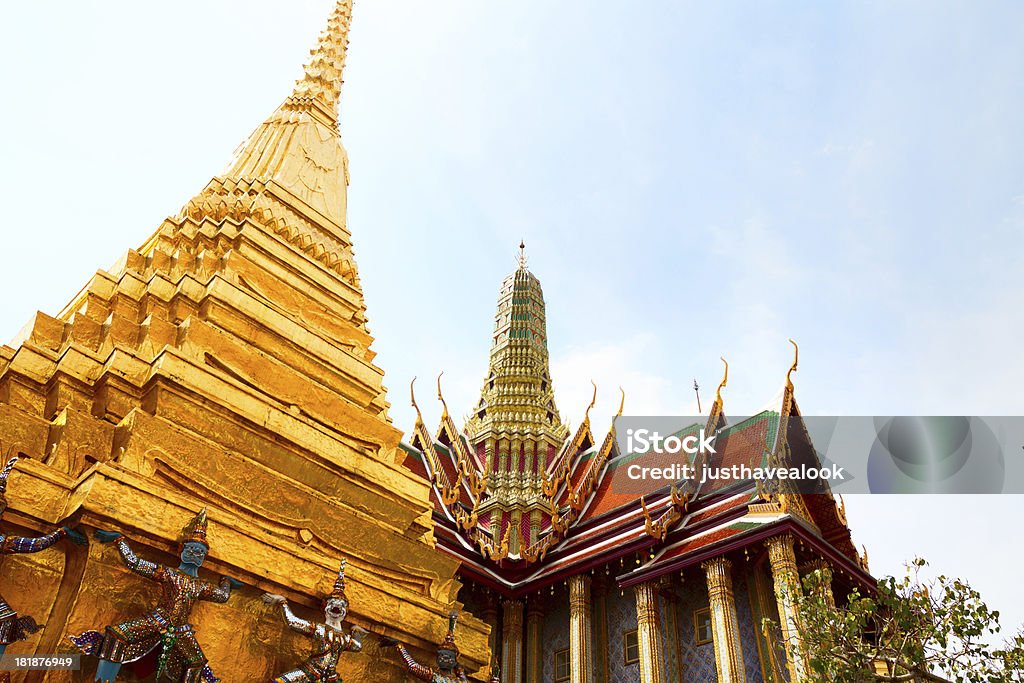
(912, 629)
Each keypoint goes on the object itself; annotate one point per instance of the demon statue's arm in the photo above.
(221, 592)
(355, 639)
(151, 570)
(295, 623)
(423, 673)
(18, 544)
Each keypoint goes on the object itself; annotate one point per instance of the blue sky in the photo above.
(691, 179)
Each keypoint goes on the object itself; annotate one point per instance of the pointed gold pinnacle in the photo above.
(322, 78)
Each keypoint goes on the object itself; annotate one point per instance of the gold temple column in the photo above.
(490, 446)
(725, 628)
(512, 642)
(515, 538)
(503, 448)
(580, 639)
(648, 627)
(534, 644)
(787, 589)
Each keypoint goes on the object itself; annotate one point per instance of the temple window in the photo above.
(702, 626)
(562, 665)
(631, 647)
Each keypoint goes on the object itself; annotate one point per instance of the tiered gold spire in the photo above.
(321, 83)
(515, 426)
(517, 400)
(299, 146)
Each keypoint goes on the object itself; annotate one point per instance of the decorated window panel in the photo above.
(562, 665)
(702, 626)
(631, 646)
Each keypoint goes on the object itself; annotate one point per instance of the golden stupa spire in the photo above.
(321, 82)
(299, 145)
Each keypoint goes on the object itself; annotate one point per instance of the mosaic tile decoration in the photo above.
(621, 618)
(669, 610)
(555, 630)
(698, 660)
(599, 595)
(748, 635)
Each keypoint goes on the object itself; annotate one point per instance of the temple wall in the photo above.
(555, 631)
(668, 606)
(748, 625)
(762, 605)
(621, 618)
(698, 660)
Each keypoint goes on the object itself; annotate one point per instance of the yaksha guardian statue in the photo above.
(13, 627)
(447, 659)
(329, 640)
(165, 630)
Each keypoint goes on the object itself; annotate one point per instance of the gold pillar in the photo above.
(515, 538)
(534, 526)
(490, 446)
(724, 622)
(503, 448)
(787, 590)
(512, 642)
(534, 644)
(580, 657)
(648, 626)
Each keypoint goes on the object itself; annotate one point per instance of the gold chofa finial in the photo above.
(622, 402)
(412, 397)
(792, 369)
(593, 400)
(725, 380)
(522, 254)
(440, 396)
(322, 78)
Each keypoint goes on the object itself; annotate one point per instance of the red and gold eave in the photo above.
(593, 523)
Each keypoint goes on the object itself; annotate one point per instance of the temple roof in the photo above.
(597, 514)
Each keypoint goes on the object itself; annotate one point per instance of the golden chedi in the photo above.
(226, 363)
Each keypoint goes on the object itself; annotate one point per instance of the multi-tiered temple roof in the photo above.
(523, 504)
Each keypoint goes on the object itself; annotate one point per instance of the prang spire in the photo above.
(517, 402)
(321, 81)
